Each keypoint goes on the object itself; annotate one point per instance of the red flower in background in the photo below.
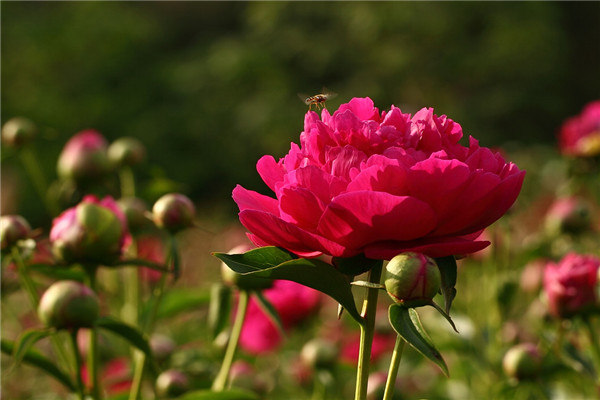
(580, 135)
(380, 184)
(570, 285)
(151, 248)
(294, 303)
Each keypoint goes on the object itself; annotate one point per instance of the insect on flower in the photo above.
(318, 99)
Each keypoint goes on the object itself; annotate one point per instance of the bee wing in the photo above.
(304, 98)
(328, 93)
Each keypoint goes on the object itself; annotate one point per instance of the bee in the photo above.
(318, 100)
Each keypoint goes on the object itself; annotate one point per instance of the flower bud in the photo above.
(243, 282)
(12, 229)
(174, 212)
(162, 347)
(18, 131)
(126, 151)
(568, 215)
(69, 305)
(135, 210)
(84, 157)
(522, 361)
(171, 383)
(90, 232)
(319, 354)
(412, 279)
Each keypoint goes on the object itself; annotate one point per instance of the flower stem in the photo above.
(80, 386)
(595, 347)
(32, 166)
(236, 330)
(127, 182)
(92, 356)
(29, 286)
(393, 372)
(366, 334)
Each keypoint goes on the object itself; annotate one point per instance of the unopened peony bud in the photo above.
(135, 210)
(12, 229)
(568, 215)
(522, 361)
(69, 305)
(162, 347)
(171, 383)
(90, 232)
(174, 212)
(126, 151)
(18, 131)
(84, 157)
(319, 354)
(412, 279)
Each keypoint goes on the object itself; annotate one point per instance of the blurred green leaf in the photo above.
(406, 323)
(37, 360)
(272, 262)
(231, 394)
(180, 300)
(270, 310)
(130, 334)
(58, 272)
(27, 339)
(219, 308)
(447, 266)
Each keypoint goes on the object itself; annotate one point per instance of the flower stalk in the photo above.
(221, 380)
(92, 356)
(80, 386)
(592, 335)
(366, 334)
(393, 371)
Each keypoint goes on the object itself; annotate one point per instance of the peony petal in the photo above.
(441, 248)
(381, 178)
(274, 231)
(300, 206)
(355, 219)
(248, 199)
(270, 171)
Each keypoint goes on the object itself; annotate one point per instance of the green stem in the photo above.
(32, 166)
(366, 334)
(595, 347)
(80, 386)
(92, 356)
(29, 286)
(221, 379)
(127, 182)
(393, 372)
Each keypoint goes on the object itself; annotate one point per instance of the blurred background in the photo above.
(209, 87)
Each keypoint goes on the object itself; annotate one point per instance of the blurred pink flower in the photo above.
(83, 233)
(293, 302)
(568, 214)
(151, 248)
(365, 182)
(116, 376)
(570, 285)
(580, 135)
(383, 343)
(84, 156)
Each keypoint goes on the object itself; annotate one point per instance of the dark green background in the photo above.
(212, 86)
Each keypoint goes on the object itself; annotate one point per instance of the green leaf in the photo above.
(275, 263)
(174, 258)
(231, 394)
(447, 266)
(130, 334)
(35, 359)
(270, 310)
(219, 308)
(180, 300)
(140, 262)
(406, 323)
(58, 272)
(26, 340)
(256, 259)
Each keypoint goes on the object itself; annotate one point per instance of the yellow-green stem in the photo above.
(127, 182)
(393, 372)
(367, 330)
(221, 379)
(595, 348)
(80, 386)
(32, 166)
(92, 355)
(29, 286)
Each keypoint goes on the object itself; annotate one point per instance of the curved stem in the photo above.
(92, 356)
(236, 330)
(80, 386)
(366, 334)
(393, 372)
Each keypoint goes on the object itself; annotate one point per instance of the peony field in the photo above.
(300, 200)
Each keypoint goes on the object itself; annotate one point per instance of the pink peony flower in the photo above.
(93, 231)
(84, 156)
(376, 183)
(293, 302)
(570, 284)
(152, 248)
(580, 135)
(116, 376)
